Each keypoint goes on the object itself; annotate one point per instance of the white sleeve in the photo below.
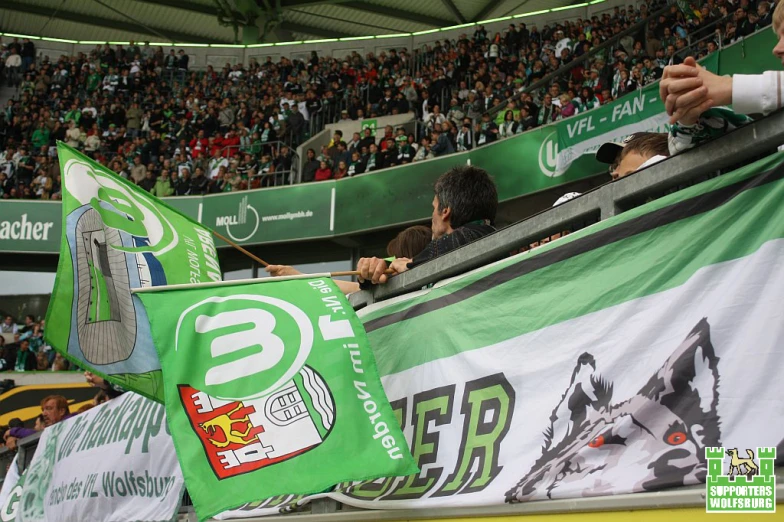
(758, 93)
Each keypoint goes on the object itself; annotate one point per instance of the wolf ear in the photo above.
(587, 391)
(688, 382)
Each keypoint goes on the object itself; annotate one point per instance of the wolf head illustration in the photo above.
(652, 440)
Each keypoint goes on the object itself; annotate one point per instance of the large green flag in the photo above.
(271, 388)
(116, 237)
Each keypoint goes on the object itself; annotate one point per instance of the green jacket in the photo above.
(40, 138)
(162, 188)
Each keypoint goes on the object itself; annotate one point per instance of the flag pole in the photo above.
(259, 260)
(237, 247)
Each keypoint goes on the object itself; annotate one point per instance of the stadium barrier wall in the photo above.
(540, 159)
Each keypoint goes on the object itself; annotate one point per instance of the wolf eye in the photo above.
(596, 442)
(676, 438)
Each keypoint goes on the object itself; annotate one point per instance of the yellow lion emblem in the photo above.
(226, 424)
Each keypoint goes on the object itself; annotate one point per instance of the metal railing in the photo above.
(730, 151)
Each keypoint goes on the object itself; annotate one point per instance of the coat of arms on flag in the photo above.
(243, 436)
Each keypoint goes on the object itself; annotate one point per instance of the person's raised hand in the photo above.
(372, 269)
(678, 80)
(281, 270)
(93, 379)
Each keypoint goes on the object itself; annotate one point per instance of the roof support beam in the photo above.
(184, 5)
(455, 11)
(397, 13)
(286, 4)
(308, 29)
(486, 10)
(24, 7)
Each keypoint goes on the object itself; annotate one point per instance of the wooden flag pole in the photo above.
(237, 247)
(259, 260)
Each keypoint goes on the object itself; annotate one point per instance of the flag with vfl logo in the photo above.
(116, 237)
(271, 388)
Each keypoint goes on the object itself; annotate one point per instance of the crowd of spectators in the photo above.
(23, 349)
(174, 131)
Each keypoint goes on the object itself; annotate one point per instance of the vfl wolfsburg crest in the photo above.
(243, 436)
(271, 389)
(117, 237)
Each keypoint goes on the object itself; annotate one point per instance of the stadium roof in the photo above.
(214, 21)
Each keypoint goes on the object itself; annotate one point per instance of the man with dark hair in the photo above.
(464, 209)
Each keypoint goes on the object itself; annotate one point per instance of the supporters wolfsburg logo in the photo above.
(271, 388)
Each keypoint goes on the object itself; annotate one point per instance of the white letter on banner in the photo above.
(261, 335)
(332, 330)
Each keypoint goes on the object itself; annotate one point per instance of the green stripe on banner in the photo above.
(608, 264)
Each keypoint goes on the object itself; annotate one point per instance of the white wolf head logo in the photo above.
(653, 440)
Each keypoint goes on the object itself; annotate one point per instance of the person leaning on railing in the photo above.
(464, 210)
(407, 244)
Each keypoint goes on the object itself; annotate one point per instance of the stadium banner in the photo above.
(116, 237)
(271, 388)
(272, 215)
(601, 363)
(11, 491)
(29, 226)
(113, 462)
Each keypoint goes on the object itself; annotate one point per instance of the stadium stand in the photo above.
(22, 347)
(176, 131)
(205, 132)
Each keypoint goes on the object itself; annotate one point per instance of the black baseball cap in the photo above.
(609, 151)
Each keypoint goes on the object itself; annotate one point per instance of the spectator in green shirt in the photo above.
(163, 186)
(74, 114)
(40, 136)
(93, 81)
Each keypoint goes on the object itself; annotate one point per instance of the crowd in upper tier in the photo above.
(172, 130)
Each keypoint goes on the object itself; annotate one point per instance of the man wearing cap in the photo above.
(633, 153)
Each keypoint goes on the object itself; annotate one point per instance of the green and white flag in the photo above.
(116, 237)
(271, 388)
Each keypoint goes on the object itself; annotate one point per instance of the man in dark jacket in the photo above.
(296, 123)
(464, 209)
(310, 167)
(198, 183)
(443, 145)
(366, 140)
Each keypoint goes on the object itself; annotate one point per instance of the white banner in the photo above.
(112, 463)
(12, 490)
(622, 400)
